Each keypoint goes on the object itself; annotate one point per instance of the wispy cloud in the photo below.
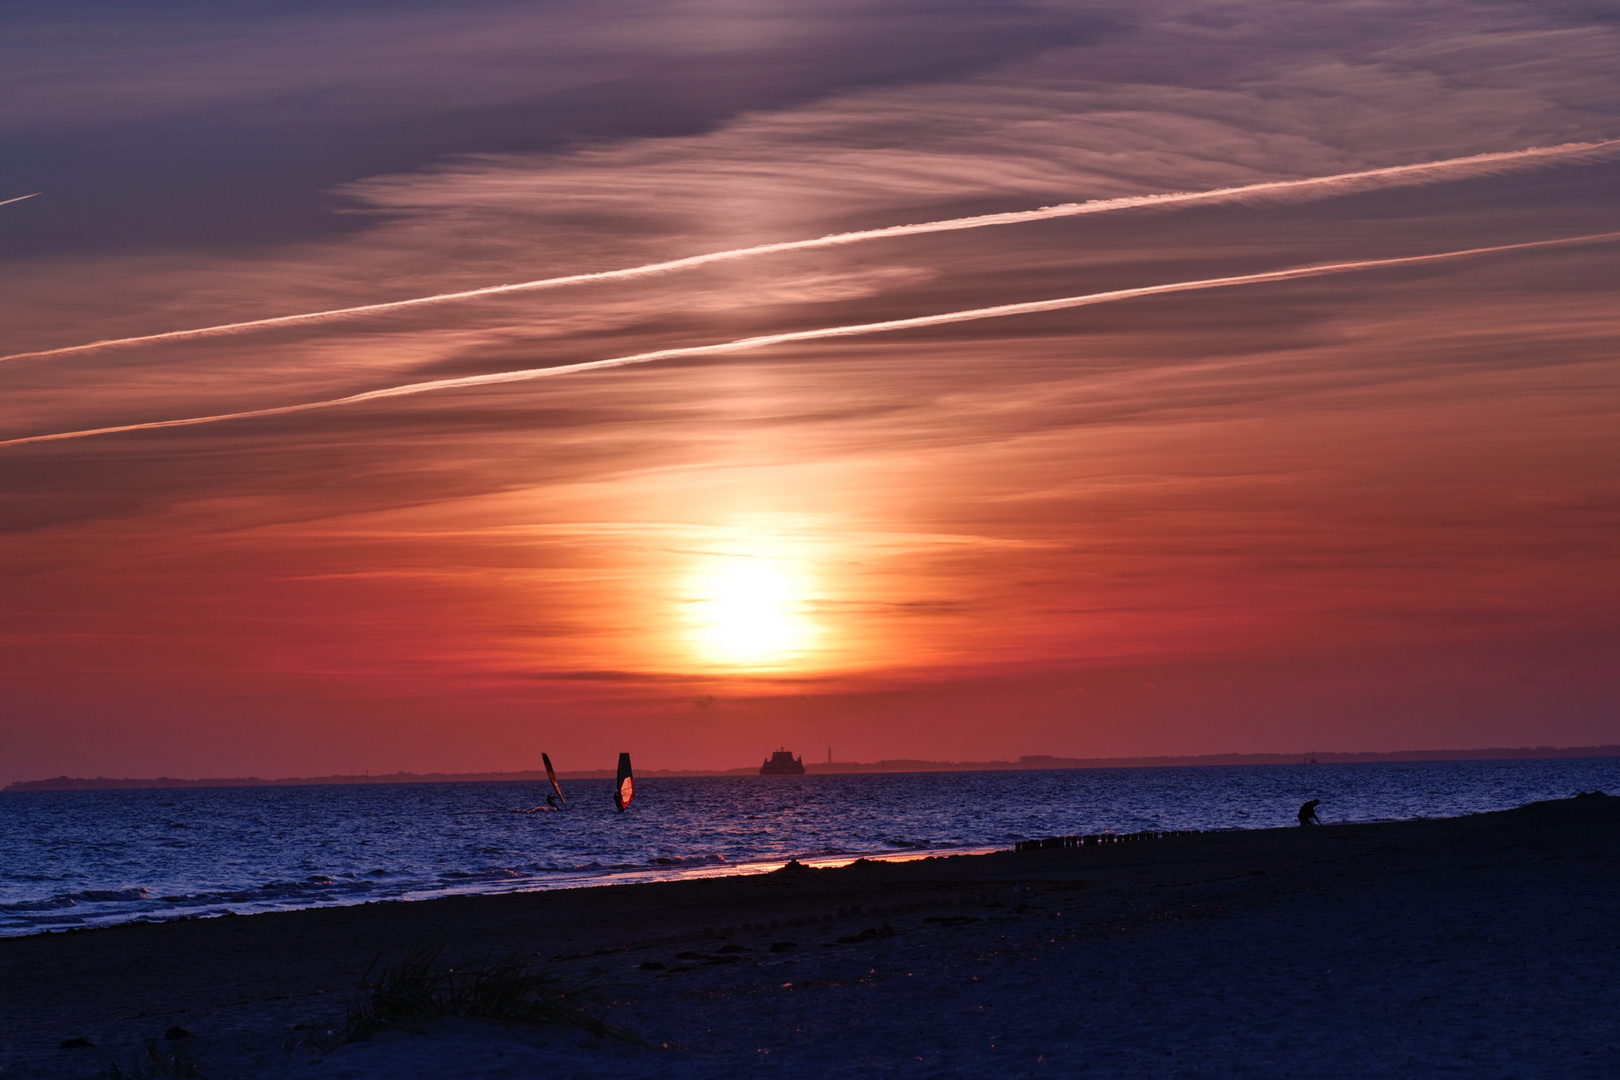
(17, 198)
(766, 340)
(1315, 187)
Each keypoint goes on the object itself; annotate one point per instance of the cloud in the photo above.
(767, 340)
(1093, 121)
(342, 62)
(1307, 188)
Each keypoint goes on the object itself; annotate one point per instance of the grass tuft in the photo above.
(411, 993)
(160, 1059)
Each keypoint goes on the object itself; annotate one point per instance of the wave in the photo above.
(40, 905)
(501, 874)
(106, 895)
(694, 860)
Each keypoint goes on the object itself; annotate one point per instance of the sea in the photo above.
(74, 859)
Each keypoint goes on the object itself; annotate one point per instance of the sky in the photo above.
(1200, 503)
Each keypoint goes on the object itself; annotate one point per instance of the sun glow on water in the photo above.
(749, 611)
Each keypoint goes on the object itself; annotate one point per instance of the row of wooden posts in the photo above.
(1098, 838)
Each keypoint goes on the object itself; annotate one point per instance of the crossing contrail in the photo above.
(18, 198)
(1309, 187)
(764, 340)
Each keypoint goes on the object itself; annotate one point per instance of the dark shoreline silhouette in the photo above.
(1034, 761)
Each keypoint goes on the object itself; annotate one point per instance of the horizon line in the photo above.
(1025, 763)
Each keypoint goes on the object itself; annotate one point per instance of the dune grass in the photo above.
(413, 992)
(159, 1058)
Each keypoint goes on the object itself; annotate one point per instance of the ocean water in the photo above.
(86, 858)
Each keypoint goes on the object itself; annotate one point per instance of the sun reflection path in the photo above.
(750, 611)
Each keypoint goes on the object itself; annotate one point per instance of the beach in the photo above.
(1486, 945)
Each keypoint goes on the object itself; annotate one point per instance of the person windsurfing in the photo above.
(625, 789)
(555, 798)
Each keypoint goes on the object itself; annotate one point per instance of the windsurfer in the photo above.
(625, 789)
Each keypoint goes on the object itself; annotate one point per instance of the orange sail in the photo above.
(626, 789)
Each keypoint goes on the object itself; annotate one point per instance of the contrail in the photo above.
(743, 344)
(1309, 187)
(18, 198)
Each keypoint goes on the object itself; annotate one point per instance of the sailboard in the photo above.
(625, 790)
(553, 802)
(551, 774)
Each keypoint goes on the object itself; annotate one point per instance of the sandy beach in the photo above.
(1485, 946)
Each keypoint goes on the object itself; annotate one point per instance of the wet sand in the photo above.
(1482, 946)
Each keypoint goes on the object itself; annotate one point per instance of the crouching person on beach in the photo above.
(1307, 813)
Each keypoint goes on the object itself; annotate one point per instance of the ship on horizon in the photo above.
(782, 763)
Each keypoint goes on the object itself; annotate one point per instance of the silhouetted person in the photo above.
(551, 801)
(1307, 813)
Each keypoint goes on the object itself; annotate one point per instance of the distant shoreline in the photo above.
(1026, 763)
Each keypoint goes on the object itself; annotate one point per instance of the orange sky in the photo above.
(1368, 511)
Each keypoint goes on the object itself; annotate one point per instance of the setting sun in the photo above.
(748, 611)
